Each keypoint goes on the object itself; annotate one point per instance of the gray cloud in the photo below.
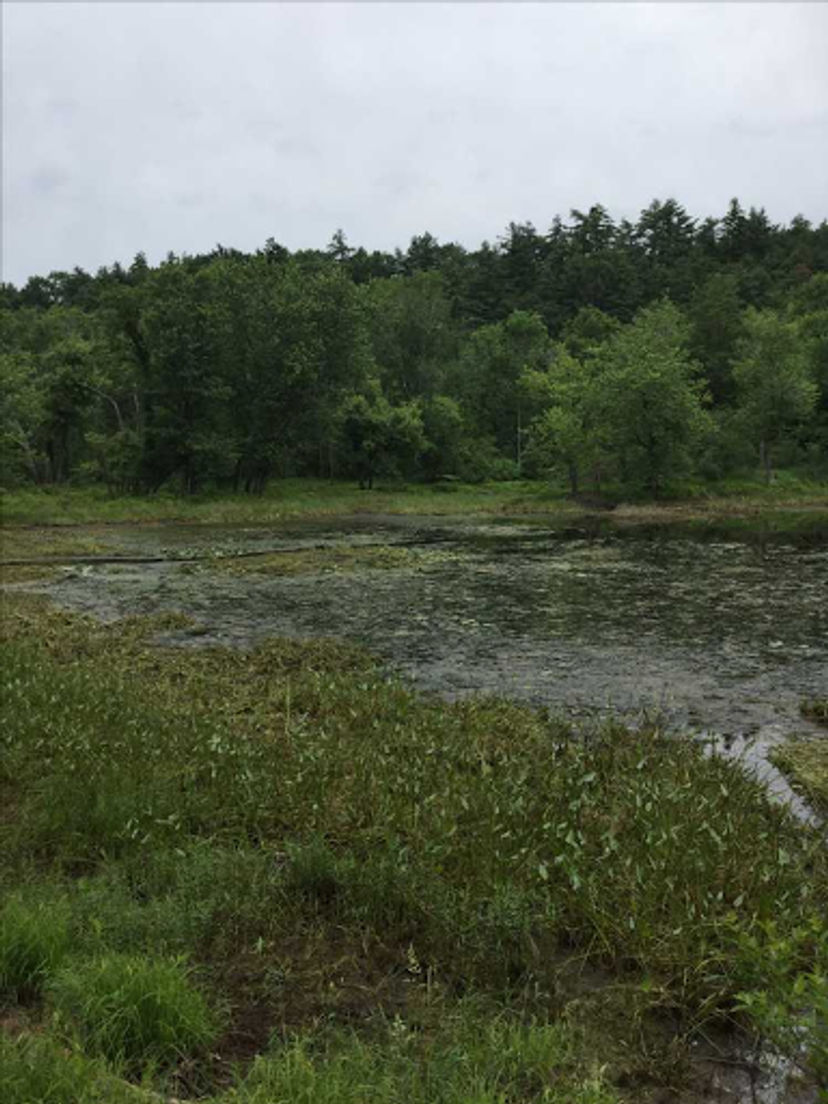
(153, 126)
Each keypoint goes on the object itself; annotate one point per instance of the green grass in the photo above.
(476, 1060)
(34, 939)
(333, 853)
(805, 762)
(133, 1011)
(296, 498)
(38, 1069)
(283, 500)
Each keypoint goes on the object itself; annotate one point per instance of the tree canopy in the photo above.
(621, 352)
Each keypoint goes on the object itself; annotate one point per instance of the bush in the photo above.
(133, 1011)
(504, 470)
(33, 941)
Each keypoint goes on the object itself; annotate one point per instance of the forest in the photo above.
(602, 354)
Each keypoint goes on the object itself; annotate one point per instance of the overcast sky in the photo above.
(174, 126)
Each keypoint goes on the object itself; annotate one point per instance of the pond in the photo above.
(713, 630)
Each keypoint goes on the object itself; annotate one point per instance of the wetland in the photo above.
(712, 628)
(419, 794)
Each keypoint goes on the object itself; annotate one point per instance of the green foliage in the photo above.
(37, 1069)
(492, 362)
(650, 398)
(226, 369)
(588, 330)
(477, 1061)
(775, 387)
(412, 335)
(379, 438)
(296, 821)
(34, 939)
(485, 798)
(788, 996)
(443, 452)
(133, 1011)
(716, 315)
(567, 434)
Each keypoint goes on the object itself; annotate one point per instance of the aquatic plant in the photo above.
(330, 846)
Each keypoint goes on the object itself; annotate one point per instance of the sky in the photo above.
(162, 126)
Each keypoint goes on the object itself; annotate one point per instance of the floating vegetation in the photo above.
(815, 709)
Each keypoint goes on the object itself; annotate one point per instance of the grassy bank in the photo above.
(297, 498)
(805, 759)
(278, 876)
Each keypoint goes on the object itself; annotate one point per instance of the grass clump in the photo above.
(38, 1069)
(804, 761)
(34, 938)
(133, 1011)
(815, 709)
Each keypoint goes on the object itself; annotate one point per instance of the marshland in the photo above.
(414, 671)
(468, 798)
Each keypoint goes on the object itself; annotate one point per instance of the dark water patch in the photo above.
(713, 634)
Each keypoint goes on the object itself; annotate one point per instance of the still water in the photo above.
(713, 631)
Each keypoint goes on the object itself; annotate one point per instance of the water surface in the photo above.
(712, 630)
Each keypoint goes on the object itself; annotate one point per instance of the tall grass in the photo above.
(34, 939)
(475, 1061)
(133, 1011)
(307, 829)
(37, 1069)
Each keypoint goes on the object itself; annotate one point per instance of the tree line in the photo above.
(602, 353)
